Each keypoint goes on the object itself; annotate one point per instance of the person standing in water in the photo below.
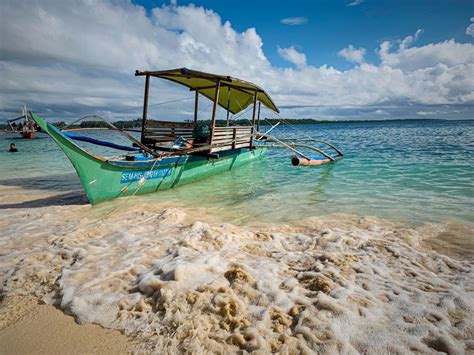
(13, 148)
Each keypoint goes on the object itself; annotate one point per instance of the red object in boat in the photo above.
(29, 135)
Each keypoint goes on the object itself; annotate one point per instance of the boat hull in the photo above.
(106, 180)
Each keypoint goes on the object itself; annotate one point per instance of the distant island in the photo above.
(221, 123)
(137, 123)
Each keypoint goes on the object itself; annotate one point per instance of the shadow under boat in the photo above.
(61, 182)
(69, 186)
(66, 199)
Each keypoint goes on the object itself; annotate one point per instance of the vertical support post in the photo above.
(145, 107)
(214, 110)
(253, 117)
(234, 137)
(196, 103)
(228, 105)
(258, 116)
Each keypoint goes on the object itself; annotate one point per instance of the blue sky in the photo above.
(348, 59)
(332, 24)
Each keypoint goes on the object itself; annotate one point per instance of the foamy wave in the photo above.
(334, 284)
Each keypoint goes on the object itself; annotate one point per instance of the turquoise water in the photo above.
(412, 171)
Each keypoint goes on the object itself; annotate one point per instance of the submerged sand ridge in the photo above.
(334, 284)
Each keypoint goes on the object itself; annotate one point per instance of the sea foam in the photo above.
(329, 285)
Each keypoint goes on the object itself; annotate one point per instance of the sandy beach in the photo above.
(31, 328)
(167, 279)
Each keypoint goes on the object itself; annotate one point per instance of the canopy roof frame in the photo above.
(244, 89)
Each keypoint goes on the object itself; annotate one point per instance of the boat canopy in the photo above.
(234, 94)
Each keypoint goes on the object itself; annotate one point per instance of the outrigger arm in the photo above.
(313, 140)
(300, 158)
(288, 146)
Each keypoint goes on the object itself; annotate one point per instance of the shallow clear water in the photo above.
(275, 279)
(411, 171)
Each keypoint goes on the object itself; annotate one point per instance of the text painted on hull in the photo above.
(131, 176)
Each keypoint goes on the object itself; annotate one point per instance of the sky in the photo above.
(327, 59)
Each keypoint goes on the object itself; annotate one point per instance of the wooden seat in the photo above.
(166, 132)
(231, 138)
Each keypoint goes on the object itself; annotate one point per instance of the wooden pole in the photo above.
(258, 116)
(196, 103)
(228, 105)
(214, 110)
(253, 117)
(145, 107)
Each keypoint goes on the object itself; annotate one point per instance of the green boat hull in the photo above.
(106, 180)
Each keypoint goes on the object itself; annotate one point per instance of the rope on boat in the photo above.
(281, 142)
(130, 109)
(79, 120)
(141, 182)
(303, 133)
(314, 140)
(133, 139)
(129, 136)
(123, 131)
(291, 125)
(150, 105)
(268, 131)
(307, 139)
(152, 152)
(290, 147)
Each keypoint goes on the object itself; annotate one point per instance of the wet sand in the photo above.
(31, 328)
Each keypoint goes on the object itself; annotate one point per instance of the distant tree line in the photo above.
(137, 123)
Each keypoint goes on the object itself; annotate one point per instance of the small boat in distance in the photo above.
(169, 154)
(27, 128)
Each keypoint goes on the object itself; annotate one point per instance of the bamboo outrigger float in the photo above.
(175, 153)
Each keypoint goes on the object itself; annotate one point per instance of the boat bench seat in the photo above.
(231, 138)
(166, 132)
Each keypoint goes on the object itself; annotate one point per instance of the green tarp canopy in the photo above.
(234, 93)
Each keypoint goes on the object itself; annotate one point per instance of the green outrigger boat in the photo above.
(170, 154)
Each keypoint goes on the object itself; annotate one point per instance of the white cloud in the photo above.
(294, 21)
(424, 113)
(293, 56)
(470, 28)
(431, 55)
(352, 54)
(436, 112)
(407, 41)
(355, 3)
(64, 60)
